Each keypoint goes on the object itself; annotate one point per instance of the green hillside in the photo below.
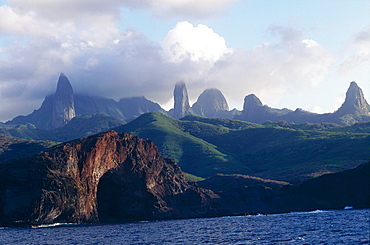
(287, 152)
(11, 147)
(195, 155)
(204, 147)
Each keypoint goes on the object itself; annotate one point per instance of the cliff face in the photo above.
(106, 177)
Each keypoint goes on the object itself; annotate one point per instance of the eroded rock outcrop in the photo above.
(181, 106)
(209, 103)
(109, 177)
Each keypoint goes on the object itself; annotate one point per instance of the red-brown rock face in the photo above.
(106, 177)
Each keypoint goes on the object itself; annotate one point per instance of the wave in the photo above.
(309, 212)
(317, 211)
(53, 225)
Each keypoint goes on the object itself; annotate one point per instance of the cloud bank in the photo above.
(42, 38)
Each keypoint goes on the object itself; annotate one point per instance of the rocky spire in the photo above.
(182, 106)
(354, 103)
(63, 103)
(252, 107)
(210, 102)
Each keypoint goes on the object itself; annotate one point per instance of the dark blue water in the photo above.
(319, 227)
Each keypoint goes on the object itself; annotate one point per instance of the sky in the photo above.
(290, 54)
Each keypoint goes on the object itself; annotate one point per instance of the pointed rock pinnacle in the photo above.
(182, 106)
(63, 103)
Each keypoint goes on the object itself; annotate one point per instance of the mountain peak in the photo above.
(63, 85)
(63, 109)
(355, 102)
(251, 101)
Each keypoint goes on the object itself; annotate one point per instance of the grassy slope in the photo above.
(295, 154)
(204, 146)
(194, 155)
(207, 146)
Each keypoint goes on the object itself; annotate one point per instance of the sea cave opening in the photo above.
(109, 194)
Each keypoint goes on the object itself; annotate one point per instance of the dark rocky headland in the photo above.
(109, 177)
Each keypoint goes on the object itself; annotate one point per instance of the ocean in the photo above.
(316, 227)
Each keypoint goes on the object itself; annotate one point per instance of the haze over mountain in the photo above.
(59, 108)
(354, 109)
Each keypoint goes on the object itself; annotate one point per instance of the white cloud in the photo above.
(196, 43)
(314, 109)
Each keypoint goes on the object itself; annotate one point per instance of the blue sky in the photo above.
(293, 54)
(244, 23)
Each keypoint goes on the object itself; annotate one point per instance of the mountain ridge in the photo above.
(59, 108)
